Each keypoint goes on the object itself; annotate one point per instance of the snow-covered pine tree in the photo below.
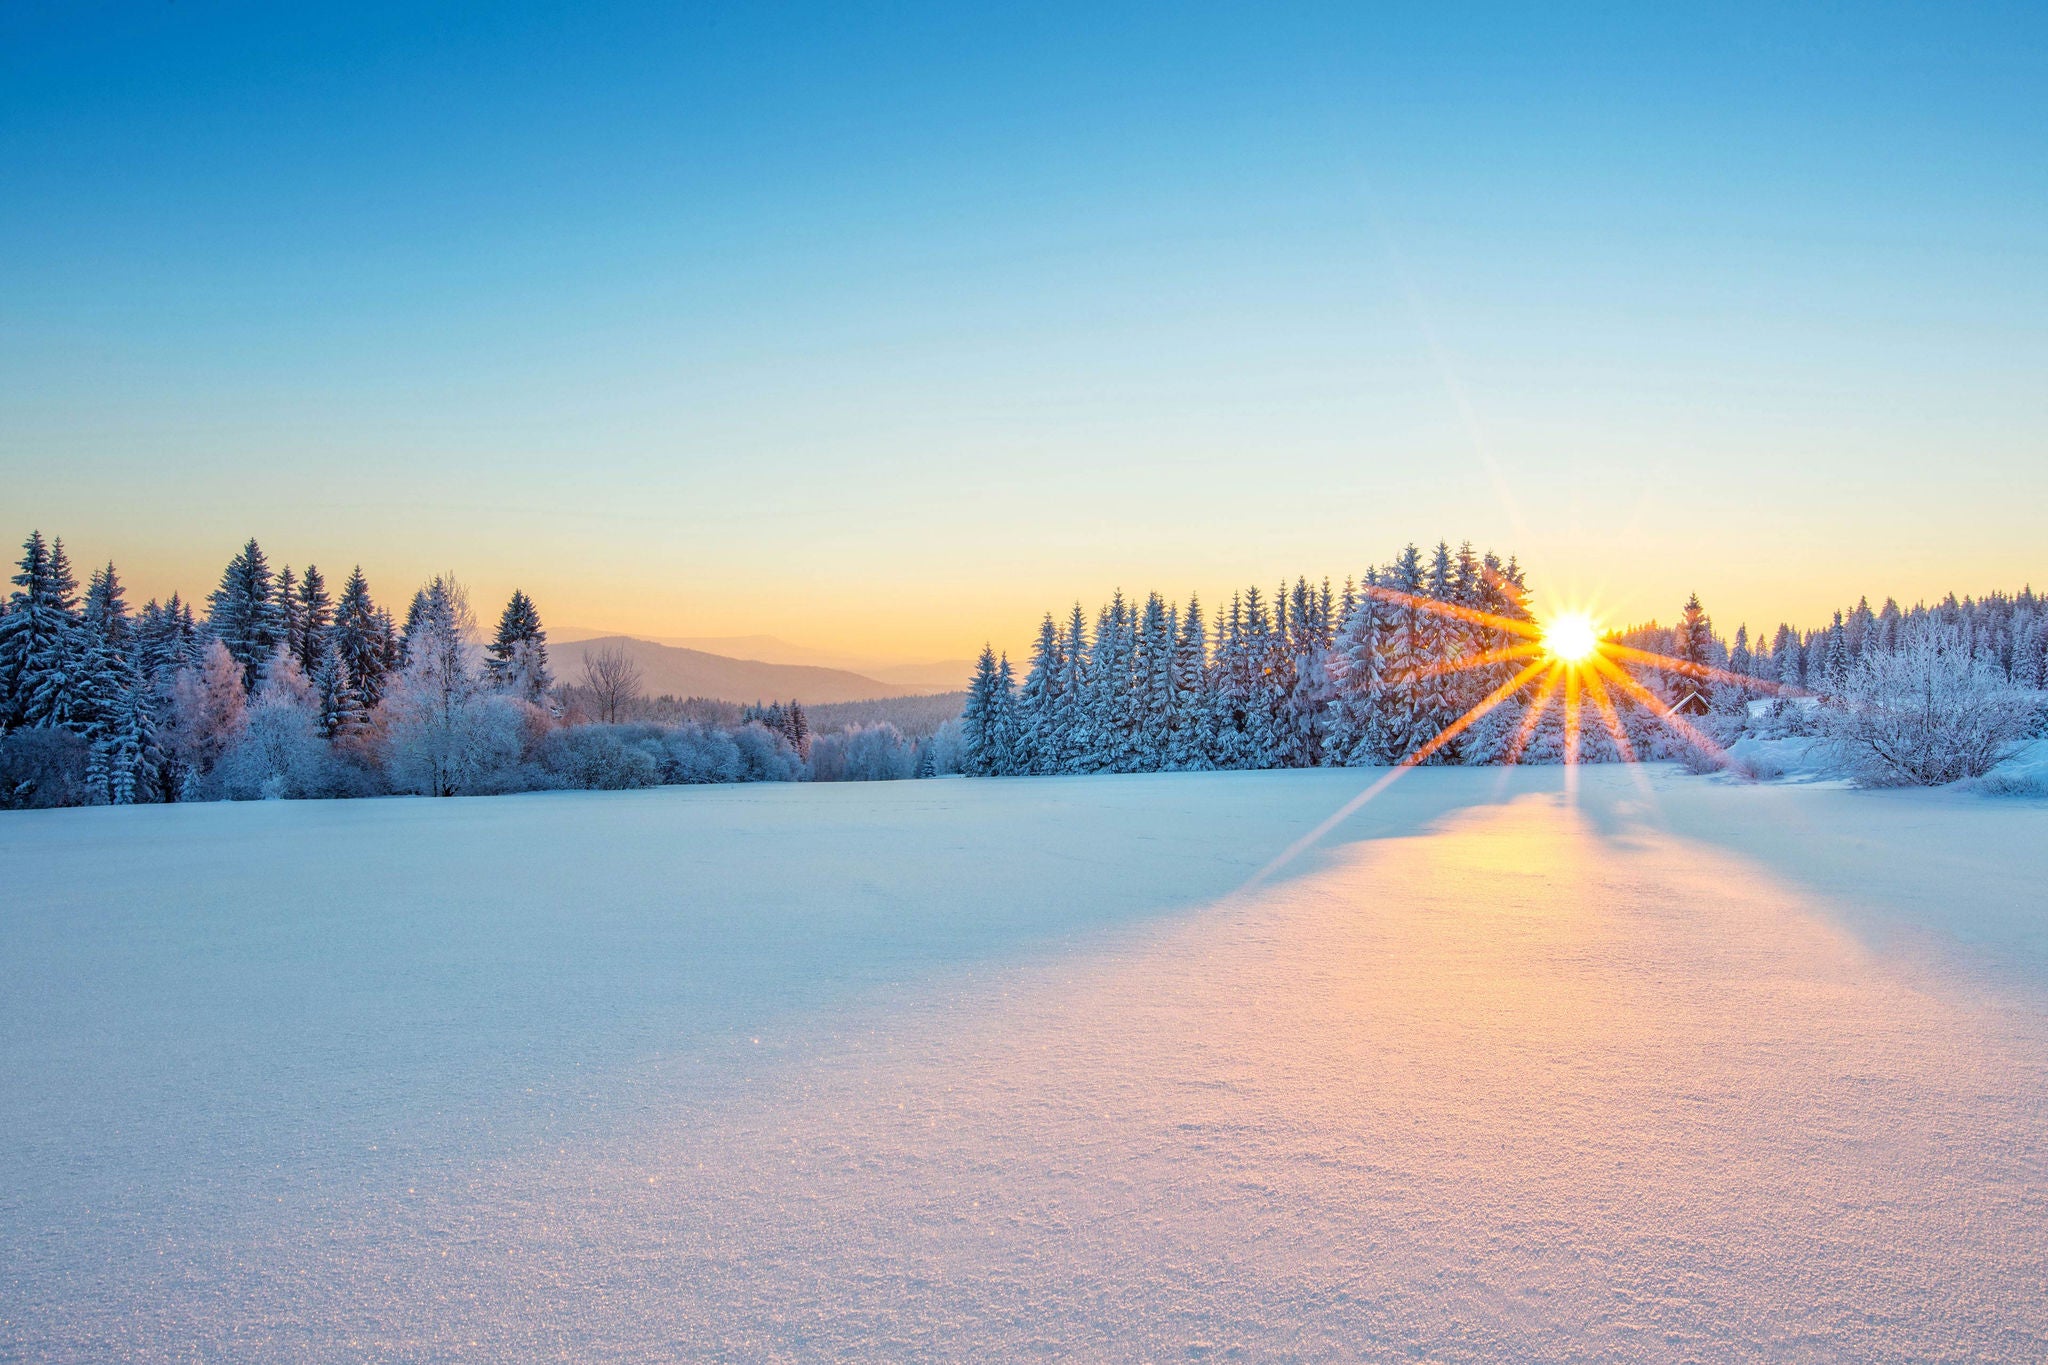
(1693, 643)
(1008, 759)
(1357, 654)
(1862, 629)
(1835, 659)
(106, 608)
(291, 612)
(1153, 687)
(1789, 656)
(1407, 648)
(981, 720)
(103, 687)
(1038, 702)
(243, 613)
(37, 637)
(132, 755)
(361, 640)
(1072, 741)
(1729, 698)
(1190, 747)
(1112, 704)
(1306, 676)
(1888, 625)
(417, 613)
(517, 660)
(315, 614)
(336, 711)
(1230, 690)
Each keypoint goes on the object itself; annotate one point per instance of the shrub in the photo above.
(866, 753)
(599, 758)
(1926, 714)
(41, 768)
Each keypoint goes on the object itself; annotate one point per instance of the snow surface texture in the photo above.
(1663, 1069)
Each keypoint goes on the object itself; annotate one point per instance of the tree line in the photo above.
(1421, 657)
(282, 687)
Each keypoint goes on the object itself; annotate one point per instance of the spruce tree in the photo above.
(243, 613)
(799, 730)
(1355, 731)
(291, 613)
(517, 659)
(1193, 708)
(336, 709)
(316, 614)
(361, 641)
(1037, 703)
(1693, 643)
(1072, 742)
(1007, 758)
(37, 637)
(1152, 684)
(981, 719)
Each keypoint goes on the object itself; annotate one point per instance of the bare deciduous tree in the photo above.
(613, 679)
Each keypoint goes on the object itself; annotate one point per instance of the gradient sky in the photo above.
(888, 331)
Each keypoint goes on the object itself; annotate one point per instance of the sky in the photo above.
(888, 328)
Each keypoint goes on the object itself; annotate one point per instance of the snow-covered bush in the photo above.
(41, 767)
(601, 758)
(469, 747)
(866, 753)
(1926, 713)
(699, 753)
(766, 755)
(2022, 774)
(279, 753)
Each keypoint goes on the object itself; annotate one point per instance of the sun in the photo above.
(1571, 637)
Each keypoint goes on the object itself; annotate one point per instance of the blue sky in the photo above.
(891, 328)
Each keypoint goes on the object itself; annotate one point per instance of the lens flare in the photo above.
(1571, 638)
(1562, 659)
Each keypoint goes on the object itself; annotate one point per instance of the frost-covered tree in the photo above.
(1927, 713)
(445, 733)
(517, 659)
(1835, 660)
(279, 753)
(208, 710)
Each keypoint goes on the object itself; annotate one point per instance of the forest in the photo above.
(282, 687)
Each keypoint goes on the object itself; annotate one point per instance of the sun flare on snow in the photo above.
(1571, 638)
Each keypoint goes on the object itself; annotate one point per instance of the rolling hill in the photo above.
(926, 676)
(694, 673)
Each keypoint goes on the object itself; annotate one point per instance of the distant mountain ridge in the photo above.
(685, 672)
(939, 675)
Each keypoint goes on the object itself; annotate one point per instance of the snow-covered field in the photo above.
(1659, 1069)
